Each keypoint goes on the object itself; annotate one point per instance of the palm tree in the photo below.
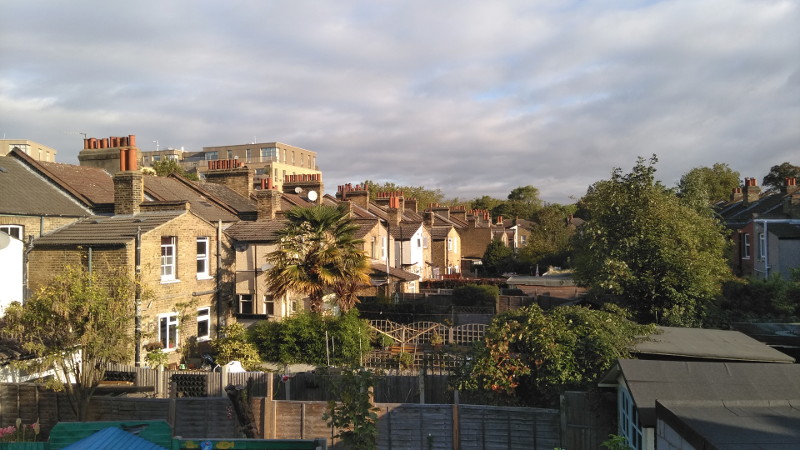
(318, 254)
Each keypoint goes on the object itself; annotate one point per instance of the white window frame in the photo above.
(746, 246)
(9, 230)
(762, 245)
(269, 305)
(204, 317)
(203, 258)
(384, 243)
(243, 300)
(170, 321)
(169, 259)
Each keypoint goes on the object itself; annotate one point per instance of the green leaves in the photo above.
(317, 254)
(649, 250)
(530, 356)
(76, 311)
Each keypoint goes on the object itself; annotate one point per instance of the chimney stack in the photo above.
(240, 179)
(357, 194)
(306, 182)
(752, 191)
(790, 186)
(269, 203)
(737, 195)
(128, 192)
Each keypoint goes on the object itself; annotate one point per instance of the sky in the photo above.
(470, 97)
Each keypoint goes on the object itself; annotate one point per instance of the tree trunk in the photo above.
(240, 399)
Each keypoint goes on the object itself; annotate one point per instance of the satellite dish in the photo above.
(240, 246)
(298, 190)
(4, 240)
(312, 195)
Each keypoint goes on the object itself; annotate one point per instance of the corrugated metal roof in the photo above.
(113, 438)
(100, 230)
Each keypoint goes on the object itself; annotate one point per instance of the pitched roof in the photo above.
(25, 192)
(440, 232)
(703, 343)
(767, 207)
(172, 189)
(256, 231)
(405, 231)
(229, 197)
(93, 183)
(379, 269)
(365, 226)
(648, 381)
(102, 230)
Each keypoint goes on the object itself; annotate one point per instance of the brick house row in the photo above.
(199, 247)
(765, 229)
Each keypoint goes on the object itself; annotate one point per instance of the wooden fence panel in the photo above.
(587, 418)
(488, 427)
(204, 418)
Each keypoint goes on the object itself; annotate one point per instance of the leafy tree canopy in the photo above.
(523, 202)
(318, 254)
(425, 197)
(708, 185)
(778, 174)
(496, 257)
(550, 241)
(165, 167)
(645, 248)
(530, 356)
(486, 202)
(76, 311)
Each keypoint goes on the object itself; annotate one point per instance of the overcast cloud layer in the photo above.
(472, 97)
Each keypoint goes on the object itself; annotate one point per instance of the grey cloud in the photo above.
(470, 97)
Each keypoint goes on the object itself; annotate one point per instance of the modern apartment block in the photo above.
(273, 160)
(33, 149)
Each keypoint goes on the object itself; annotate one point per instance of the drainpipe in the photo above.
(25, 253)
(765, 230)
(219, 274)
(138, 297)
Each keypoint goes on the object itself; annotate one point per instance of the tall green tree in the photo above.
(530, 356)
(486, 202)
(318, 254)
(75, 325)
(646, 249)
(778, 174)
(550, 239)
(496, 258)
(709, 184)
(523, 202)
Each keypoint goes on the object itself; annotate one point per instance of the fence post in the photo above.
(223, 380)
(456, 424)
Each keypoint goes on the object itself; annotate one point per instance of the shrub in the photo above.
(475, 295)
(302, 339)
